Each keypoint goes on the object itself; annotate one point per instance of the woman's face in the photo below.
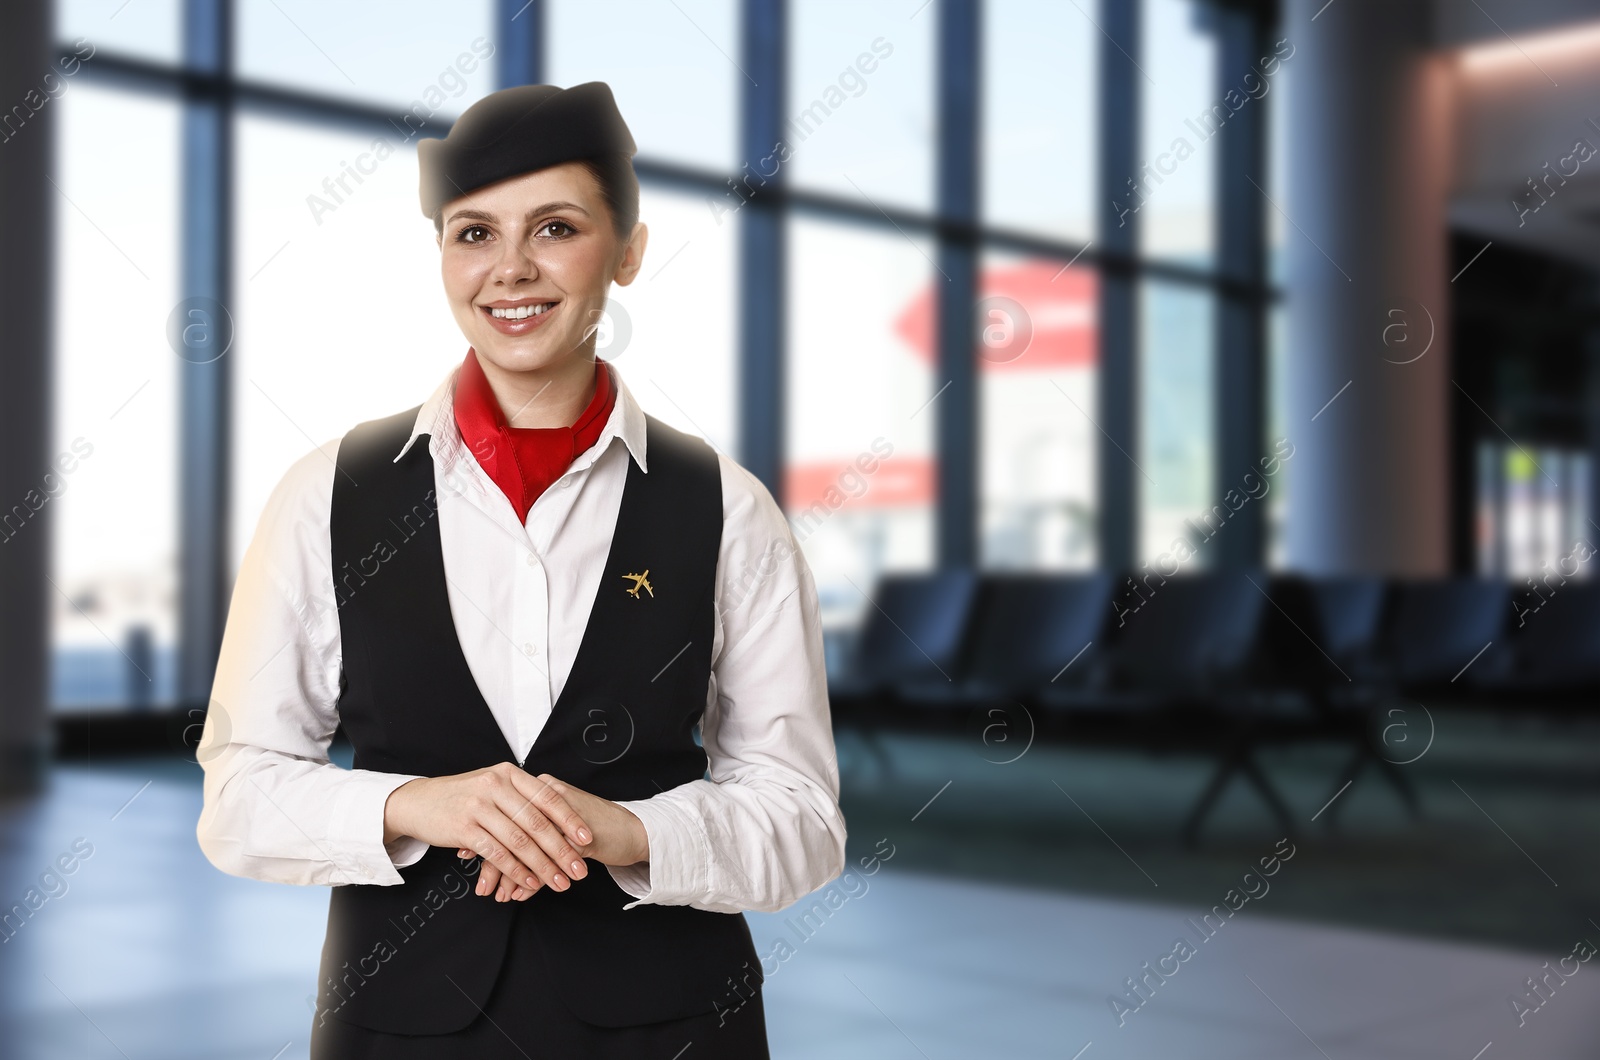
(530, 240)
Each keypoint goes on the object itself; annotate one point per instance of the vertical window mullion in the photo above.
(519, 54)
(205, 371)
(1118, 239)
(956, 204)
(1240, 369)
(761, 309)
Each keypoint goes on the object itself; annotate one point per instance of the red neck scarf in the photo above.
(523, 461)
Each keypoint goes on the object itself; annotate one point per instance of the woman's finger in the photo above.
(518, 849)
(515, 835)
(526, 813)
(492, 881)
(545, 794)
(488, 878)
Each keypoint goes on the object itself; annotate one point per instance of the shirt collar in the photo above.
(436, 419)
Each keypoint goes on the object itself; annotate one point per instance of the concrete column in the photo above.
(27, 204)
(1368, 346)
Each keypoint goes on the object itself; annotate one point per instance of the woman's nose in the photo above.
(515, 263)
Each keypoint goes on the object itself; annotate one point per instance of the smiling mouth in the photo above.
(521, 312)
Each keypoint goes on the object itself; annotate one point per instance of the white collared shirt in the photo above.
(761, 833)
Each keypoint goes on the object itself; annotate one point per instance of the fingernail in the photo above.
(561, 881)
(583, 835)
(577, 868)
(531, 881)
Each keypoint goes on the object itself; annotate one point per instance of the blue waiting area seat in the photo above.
(1553, 632)
(1442, 628)
(1223, 663)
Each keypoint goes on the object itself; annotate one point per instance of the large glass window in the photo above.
(673, 67)
(1178, 498)
(671, 331)
(1042, 63)
(113, 489)
(427, 57)
(147, 29)
(1278, 209)
(1174, 190)
(339, 309)
(861, 121)
(859, 481)
(339, 314)
(1038, 371)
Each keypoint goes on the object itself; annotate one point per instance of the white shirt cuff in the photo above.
(678, 866)
(355, 830)
(407, 850)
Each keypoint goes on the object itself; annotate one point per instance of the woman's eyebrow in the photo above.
(549, 207)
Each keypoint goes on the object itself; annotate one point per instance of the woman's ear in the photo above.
(632, 255)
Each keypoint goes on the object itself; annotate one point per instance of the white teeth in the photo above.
(522, 311)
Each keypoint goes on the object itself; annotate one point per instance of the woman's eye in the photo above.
(557, 224)
(462, 235)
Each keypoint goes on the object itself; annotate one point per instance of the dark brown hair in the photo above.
(619, 187)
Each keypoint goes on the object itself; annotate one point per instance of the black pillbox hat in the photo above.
(518, 130)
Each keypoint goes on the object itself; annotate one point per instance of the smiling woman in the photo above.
(491, 242)
(529, 287)
(624, 773)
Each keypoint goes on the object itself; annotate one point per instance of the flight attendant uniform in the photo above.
(684, 660)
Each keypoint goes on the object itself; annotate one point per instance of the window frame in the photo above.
(211, 95)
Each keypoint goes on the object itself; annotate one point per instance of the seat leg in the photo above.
(1269, 793)
(1402, 785)
(872, 741)
(1226, 767)
(1352, 769)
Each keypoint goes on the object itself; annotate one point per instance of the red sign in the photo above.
(1059, 307)
(896, 481)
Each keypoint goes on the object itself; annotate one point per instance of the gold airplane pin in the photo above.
(640, 581)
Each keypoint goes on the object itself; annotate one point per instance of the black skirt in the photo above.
(524, 1019)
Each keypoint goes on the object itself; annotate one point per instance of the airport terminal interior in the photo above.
(1188, 412)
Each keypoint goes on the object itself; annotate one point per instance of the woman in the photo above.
(577, 654)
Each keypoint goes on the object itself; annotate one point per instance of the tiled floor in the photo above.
(149, 952)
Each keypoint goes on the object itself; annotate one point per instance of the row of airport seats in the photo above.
(1221, 663)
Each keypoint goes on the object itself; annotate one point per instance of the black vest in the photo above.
(421, 957)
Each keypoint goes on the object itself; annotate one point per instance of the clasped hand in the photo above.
(530, 830)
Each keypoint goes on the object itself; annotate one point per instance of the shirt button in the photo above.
(529, 649)
(564, 483)
(533, 561)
